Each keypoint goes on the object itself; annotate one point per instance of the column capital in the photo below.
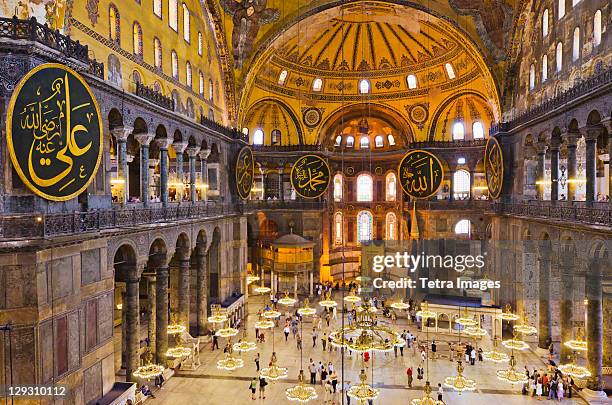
(204, 154)
(572, 137)
(192, 151)
(179, 147)
(555, 143)
(144, 139)
(592, 132)
(540, 147)
(132, 279)
(163, 143)
(122, 133)
(607, 124)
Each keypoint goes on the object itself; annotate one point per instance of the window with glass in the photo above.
(545, 23)
(175, 68)
(364, 142)
(477, 130)
(201, 83)
(559, 56)
(338, 228)
(575, 2)
(282, 77)
(317, 84)
(157, 53)
(350, 141)
(200, 44)
(186, 24)
(531, 77)
(391, 140)
(188, 79)
(275, 137)
(258, 137)
(391, 188)
(450, 71)
(597, 28)
(157, 7)
(544, 68)
(379, 141)
(391, 225)
(576, 45)
(458, 131)
(412, 81)
(365, 187)
(338, 187)
(173, 14)
(211, 90)
(338, 140)
(463, 227)
(364, 226)
(461, 185)
(137, 32)
(561, 12)
(114, 24)
(364, 86)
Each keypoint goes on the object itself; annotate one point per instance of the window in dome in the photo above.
(458, 131)
(364, 226)
(450, 71)
(317, 84)
(391, 221)
(175, 69)
(137, 31)
(188, 80)
(258, 137)
(245, 131)
(173, 14)
(531, 77)
(561, 4)
(545, 23)
(391, 140)
(186, 24)
(275, 136)
(200, 44)
(364, 187)
(461, 185)
(350, 141)
(463, 227)
(461, 161)
(364, 142)
(576, 45)
(201, 84)
(379, 141)
(338, 187)
(282, 77)
(412, 81)
(391, 187)
(157, 53)
(544, 68)
(559, 56)
(477, 130)
(338, 140)
(157, 7)
(364, 86)
(211, 90)
(338, 228)
(597, 28)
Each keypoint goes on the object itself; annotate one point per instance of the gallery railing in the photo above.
(227, 131)
(253, 205)
(446, 205)
(572, 212)
(154, 96)
(45, 225)
(32, 30)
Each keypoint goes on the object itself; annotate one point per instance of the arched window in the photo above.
(317, 84)
(561, 9)
(391, 188)
(157, 87)
(173, 14)
(576, 45)
(461, 185)
(190, 108)
(458, 131)
(114, 24)
(201, 83)
(186, 24)
(391, 225)
(175, 68)
(531, 77)
(364, 86)
(559, 56)
(477, 130)
(211, 114)
(463, 227)
(544, 68)
(391, 140)
(412, 81)
(597, 28)
(245, 131)
(275, 136)
(136, 77)
(574, 2)
(188, 79)
(137, 38)
(200, 45)
(379, 141)
(364, 187)
(157, 7)
(338, 140)
(282, 77)
(157, 53)
(338, 187)
(258, 137)
(211, 91)
(545, 23)
(350, 141)
(338, 228)
(364, 226)
(450, 71)
(364, 142)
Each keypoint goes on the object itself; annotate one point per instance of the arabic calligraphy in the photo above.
(420, 174)
(245, 171)
(310, 176)
(494, 167)
(54, 132)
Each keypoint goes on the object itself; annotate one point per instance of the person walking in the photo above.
(434, 348)
(409, 375)
(257, 362)
(440, 392)
(334, 380)
(312, 368)
(560, 390)
(262, 387)
(539, 389)
(346, 388)
(299, 341)
(215, 342)
(253, 387)
(473, 356)
(324, 341)
(314, 338)
(286, 331)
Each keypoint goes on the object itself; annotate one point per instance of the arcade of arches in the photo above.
(160, 260)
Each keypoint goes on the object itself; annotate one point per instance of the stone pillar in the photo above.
(594, 331)
(280, 183)
(124, 330)
(161, 308)
(311, 283)
(144, 140)
(541, 150)
(163, 144)
(608, 126)
(201, 309)
(295, 285)
(571, 141)
(472, 172)
(566, 309)
(183, 291)
(192, 152)
(204, 158)
(152, 295)
(121, 134)
(132, 329)
(452, 185)
(179, 148)
(590, 137)
(555, 144)
(545, 311)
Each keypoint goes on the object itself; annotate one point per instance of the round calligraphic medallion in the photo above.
(420, 174)
(245, 172)
(312, 117)
(310, 176)
(54, 132)
(494, 167)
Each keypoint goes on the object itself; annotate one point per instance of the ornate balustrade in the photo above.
(287, 148)
(446, 205)
(572, 212)
(254, 205)
(154, 96)
(227, 131)
(32, 30)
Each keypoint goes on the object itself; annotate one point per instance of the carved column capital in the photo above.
(122, 133)
(179, 147)
(541, 147)
(144, 139)
(572, 137)
(163, 143)
(592, 132)
(204, 154)
(192, 151)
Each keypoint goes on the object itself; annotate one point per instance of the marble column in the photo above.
(161, 316)
(545, 311)
(201, 309)
(472, 172)
(591, 134)
(295, 286)
(280, 183)
(594, 331)
(541, 150)
(123, 330)
(132, 329)
(163, 144)
(566, 308)
(151, 309)
(571, 140)
(144, 140)
(121, 134)
(192, 152)
(204, 153)
(179, 149)
(555, 144)
(183, 291)
(608, 126)
(311, 283)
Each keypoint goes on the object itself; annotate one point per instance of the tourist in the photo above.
(480, 353)
(286, 331)
(314, 338)
(323, 375)
(257, 362)
(560, 390)
(473, 356)
(328, 397)
(409, 375)
(159, 381)
(312, 368)
(215, 341)
(146, 391)
(434, 348)
(440, 392)
(253, 387)
(420, 372)
(539, 389)
(346, 388)
(324, 341)
(334, 379)
(262, 387)
(366, 358)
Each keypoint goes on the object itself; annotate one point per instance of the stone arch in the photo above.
(115, 119)
(594, 118)
(213, 261)
(140, 126)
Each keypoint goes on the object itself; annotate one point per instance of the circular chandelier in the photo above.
(427, 399)
(274, 372)
(262, 289)
(217, 315)
(400, 305)
(369, 309)
(264, 324)
(507, 315)
(178, 351)
(328, 302)
(515, 344)
(525, 329)
(244, 346)
(271, 314)
(425, 313)
(577, 345)
(363, 392)
(466, 320)
(511, 375)
(301, 393)
(495, 356)
(149, 370)
(226, 332)
(575, 370)
(460, 383)
(306, 310)
(287, 300)
(475, 331)
(230, 363)
(174, 327)
(352, 298)
(251, 279)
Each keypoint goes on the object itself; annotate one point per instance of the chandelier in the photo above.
(466, 320)
(425, 313)
(271, 314)
(328, 302)
(573, 369)
(230, 363)
(475, 331)
(515, 344)
(507, 315)
(175, 328)
(217, 316)
(511, 375)
(494, 355)
(301, 393)
(251, 279)
(226, 332)
(306, 310)
(363, 392)
(274, 372)
(400, 305)
(427, 399)
(352, 298)
(460, 383)
(262, 289)
(179, 350)
(264, 324)
(149, 370)
(525, 329)
(286, 300)
(576, 345)
(244, 346)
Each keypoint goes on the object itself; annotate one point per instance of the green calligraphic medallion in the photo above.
(245, 172)
(420, 174)
(494, 167)
(54, 132)
(310, 176)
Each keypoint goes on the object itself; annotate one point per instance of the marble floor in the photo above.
(209, 385)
